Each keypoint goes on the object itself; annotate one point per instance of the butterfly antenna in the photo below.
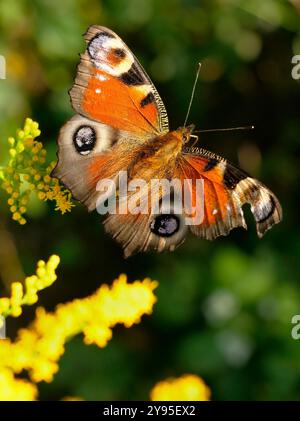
(192, 95)
(228, 129)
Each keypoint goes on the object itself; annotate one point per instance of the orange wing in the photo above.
(111, 87)
(226, 190)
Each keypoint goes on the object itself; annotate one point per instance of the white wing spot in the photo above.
(98, 91)
(215, 211)
(101, 77)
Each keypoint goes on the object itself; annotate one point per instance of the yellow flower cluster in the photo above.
(27, 171)
(188, 387)
(12, 389)
(39, 348)
(44, 277)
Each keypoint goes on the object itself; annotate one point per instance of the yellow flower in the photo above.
(99, 335)
(26, 172)
(12, 389)
(45, 276)
(188, 387)
(38, 348)
(63, 202)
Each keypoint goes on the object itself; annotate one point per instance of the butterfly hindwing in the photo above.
(150, 228)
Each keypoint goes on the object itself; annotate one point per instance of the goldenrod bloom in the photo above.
(45, 276)
(26, 172)
(38, 348)
(12, 389)
(188, 387)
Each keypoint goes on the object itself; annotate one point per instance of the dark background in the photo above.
(224, 308)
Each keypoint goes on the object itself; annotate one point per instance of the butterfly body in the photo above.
(159, 154)
(121, 126)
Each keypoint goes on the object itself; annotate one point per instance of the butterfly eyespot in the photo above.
(165, 225)
(119, 52)
(84, 139)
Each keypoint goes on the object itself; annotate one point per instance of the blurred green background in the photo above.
(224, 308)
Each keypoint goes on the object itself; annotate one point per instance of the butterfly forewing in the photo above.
(112, 87)
(226, 189)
